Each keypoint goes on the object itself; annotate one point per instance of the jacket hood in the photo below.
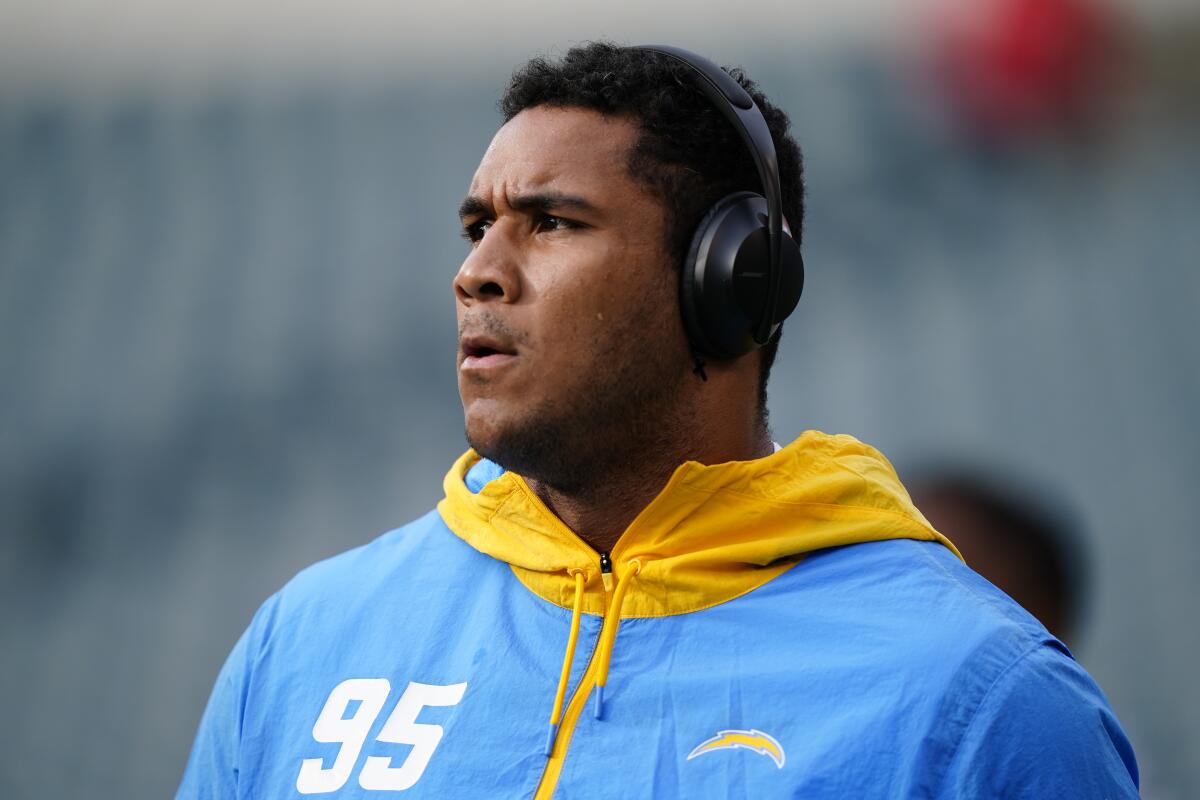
(712, 534)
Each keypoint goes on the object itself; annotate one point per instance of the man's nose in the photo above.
(489, 273)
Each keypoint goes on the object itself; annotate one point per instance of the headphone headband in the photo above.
(736, 105)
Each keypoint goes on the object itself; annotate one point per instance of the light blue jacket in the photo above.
(788, 627)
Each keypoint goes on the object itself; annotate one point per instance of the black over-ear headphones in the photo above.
(743, 274)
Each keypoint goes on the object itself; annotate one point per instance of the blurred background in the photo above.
(227, 234)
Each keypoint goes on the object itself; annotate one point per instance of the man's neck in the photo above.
(600, 512)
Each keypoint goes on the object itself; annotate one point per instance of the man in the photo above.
(628, 590)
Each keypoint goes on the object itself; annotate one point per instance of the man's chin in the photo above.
(489, 439)
(485, 427)
(533, 447)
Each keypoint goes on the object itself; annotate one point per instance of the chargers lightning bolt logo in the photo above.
(761, 743)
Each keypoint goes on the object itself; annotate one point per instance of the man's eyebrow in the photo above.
(539, 201)
(547, 201)
(473, 206)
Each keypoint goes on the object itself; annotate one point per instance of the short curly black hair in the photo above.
(688, 153)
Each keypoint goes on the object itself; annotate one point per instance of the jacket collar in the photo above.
(712, 534)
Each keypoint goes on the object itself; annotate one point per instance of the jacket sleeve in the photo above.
(213, 769)
(1044, 729)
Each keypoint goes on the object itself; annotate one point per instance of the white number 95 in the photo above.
(333, 726)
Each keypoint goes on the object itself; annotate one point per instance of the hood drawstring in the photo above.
(568, 659)
(608, 633)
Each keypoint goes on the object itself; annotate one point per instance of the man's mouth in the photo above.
(484, 352)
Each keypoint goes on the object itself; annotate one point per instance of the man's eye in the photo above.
(549, 222)
(475, 231)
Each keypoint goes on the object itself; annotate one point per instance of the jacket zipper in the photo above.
(571, 713)
(606, 574)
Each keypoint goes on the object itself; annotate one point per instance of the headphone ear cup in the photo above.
(692, 282)
(791, 280)
(723, 290)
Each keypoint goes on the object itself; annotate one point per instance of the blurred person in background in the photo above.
(1015, 71)
(1012, 537)
(698, 611)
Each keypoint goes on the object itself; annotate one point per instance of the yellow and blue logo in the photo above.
(761, 743)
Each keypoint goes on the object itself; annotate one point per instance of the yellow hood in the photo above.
(713, 533)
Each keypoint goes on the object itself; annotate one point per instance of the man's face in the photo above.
(571, 345)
